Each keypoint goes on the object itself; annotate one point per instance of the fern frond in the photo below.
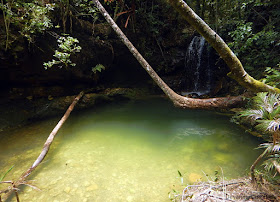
(274, 125)
(276, 148)
(267, 146)
(276, 112)
(260, 99)
(263, 125)
(252, 114)
(268, 165)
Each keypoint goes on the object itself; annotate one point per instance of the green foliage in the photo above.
(242, 37)
(257, 3)
(265, 114)
(153, 22)
(181, 177)
(35, 19)
(251, 27)
(180, 174)
(273, 156)
(272, 76)
(67, 46)
(30, 17)
(172, 195)
(217, 176)
(256, 36)
(86, 7)
(4, 175)
(255, 49)
(98, 68)
(270, 148)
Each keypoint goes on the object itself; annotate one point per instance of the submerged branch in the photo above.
(51, 137)
(45, 149)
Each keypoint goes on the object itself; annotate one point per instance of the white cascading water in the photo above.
(201, 74)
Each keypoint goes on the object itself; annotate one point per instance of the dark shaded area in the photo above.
(153, 30)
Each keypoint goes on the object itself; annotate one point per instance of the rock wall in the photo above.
(156, 30)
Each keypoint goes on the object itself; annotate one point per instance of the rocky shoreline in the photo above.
(21, 111)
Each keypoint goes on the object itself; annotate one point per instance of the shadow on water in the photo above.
(127, 152)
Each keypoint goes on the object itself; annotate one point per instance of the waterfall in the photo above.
(198, 72)
(194, 54)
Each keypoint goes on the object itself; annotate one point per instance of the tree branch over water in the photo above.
(178, 100)
(237, 71)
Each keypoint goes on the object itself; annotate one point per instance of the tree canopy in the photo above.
(251, 29)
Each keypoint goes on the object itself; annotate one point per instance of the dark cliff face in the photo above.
(157, 31)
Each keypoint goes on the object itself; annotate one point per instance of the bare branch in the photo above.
(42, 155)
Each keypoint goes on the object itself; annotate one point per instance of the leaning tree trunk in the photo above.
(178, 100)
(237, 71)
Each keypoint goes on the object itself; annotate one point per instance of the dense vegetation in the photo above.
(252, 30)
(263, 114)
(250, 27)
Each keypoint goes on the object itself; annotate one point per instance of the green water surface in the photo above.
(127, 152)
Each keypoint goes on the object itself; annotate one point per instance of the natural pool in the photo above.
(127, 152)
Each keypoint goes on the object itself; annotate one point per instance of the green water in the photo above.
(127, 152)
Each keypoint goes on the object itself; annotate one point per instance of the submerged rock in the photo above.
(67, 190)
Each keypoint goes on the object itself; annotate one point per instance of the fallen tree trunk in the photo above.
(178, 100)
(49, 141)
(45, 149)
(237, 71)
